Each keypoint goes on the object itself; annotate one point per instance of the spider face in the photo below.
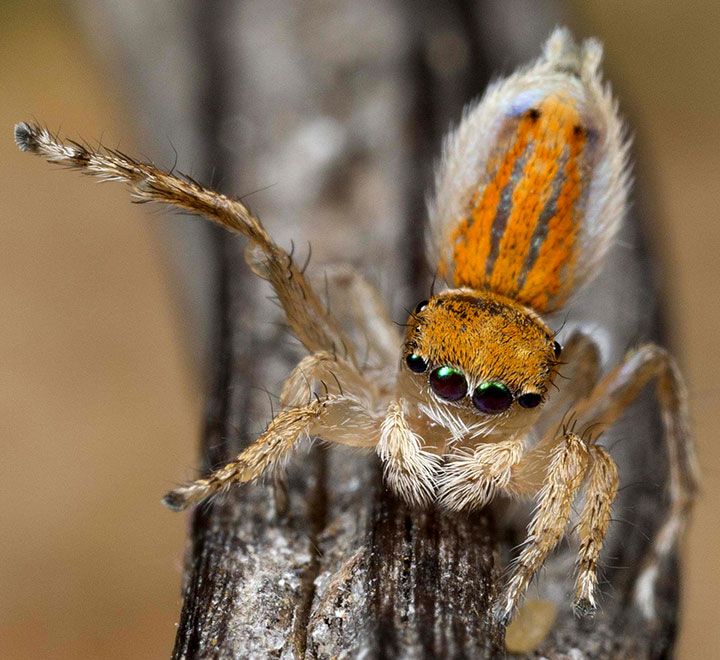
(480, 351)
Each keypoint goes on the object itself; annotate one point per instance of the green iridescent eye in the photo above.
(492, 398)
(448, 383)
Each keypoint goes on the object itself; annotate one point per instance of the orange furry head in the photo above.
(482, 350)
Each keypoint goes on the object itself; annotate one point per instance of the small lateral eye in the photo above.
(416, 363)
(557, 349)
(448, 383)
(492, 398)
(529, 400)
(420, 306)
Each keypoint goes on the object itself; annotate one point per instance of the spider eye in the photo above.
(557, 349)
(530, 400)
(420, 306)
(492, 398)
(448, 383)
(416, 363)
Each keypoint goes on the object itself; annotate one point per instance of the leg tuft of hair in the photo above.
(179, 499)
(24, 137)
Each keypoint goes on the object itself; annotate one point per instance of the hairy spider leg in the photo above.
(566, 471)
(307, 316)
(605, 404)
(340, 415)
(352, 296)
(602, 487)
(610, 398)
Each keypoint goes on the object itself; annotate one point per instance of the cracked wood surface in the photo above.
(343, 110)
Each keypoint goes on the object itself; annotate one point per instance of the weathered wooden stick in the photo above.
(345, 569)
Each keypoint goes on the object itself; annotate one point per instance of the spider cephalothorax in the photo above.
(481, 350)
(529, 195)
(476, 368)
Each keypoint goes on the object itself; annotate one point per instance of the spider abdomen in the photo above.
(518, 237)
(533, 183)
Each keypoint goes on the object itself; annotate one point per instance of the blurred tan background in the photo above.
(102, 399)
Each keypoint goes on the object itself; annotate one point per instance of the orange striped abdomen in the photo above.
(519, 237)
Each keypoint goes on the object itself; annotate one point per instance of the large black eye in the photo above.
(416, 363)
(557, 349)
(448, 383)
(492, 398)
(530, 400)
(421, 306)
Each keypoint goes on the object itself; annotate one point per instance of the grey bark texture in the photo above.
(340, 108)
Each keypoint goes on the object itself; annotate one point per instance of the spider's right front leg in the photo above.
(340, 415)
(307, 316)
(266, 452)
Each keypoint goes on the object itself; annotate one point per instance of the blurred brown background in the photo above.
(101, 374)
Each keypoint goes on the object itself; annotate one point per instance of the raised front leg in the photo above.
(307, 316)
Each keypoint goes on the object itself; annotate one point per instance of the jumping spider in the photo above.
(530, 192)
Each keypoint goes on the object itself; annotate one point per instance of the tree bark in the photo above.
(341, 109)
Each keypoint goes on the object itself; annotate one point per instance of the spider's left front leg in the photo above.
(606, 403)
(567, 468)
(602, 486)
